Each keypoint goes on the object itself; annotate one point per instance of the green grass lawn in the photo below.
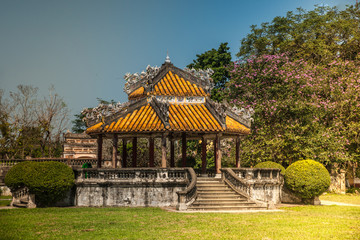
(302, 222)
(5, 201)
(344, 198)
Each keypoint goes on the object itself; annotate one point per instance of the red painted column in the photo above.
(124, 153)
(114, 150)
(151, 152)
(99, 150)
(172, 153)
(237, 154)
(183, 149)
(203, 156)
(134, 152)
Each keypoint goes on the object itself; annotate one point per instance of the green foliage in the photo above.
(49, 181)
(301, 110)
(217, 60)
(79, 126)
(269, 164)
(307, 178)
(16, 177)
(318, 36)
(353, 190)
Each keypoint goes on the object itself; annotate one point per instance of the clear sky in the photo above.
(84, 47)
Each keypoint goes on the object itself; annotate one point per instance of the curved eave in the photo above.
(233, 126)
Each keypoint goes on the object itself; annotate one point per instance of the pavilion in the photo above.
(168, 103)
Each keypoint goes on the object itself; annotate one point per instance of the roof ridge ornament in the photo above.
(167, 59)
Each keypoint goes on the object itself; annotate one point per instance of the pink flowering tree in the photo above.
(301, 110)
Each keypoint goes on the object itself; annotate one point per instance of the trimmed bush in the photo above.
(50, 182)
(16, 176)
(307, 178)
(269, 164)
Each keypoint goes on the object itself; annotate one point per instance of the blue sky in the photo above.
(84, 47)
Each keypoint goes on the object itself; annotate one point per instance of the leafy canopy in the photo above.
(217, 60)
(318, 36)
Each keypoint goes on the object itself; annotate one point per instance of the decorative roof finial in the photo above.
(167, 59)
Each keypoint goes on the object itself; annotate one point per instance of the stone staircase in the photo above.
(214, 195)
(24, 201)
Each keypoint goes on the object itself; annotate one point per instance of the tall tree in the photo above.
(301, 110)
(318, 36)
(217, 60)
(31, 126)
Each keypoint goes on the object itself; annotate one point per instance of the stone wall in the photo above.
(125, 194)
(130, 187)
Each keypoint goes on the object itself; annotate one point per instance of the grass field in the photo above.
(344, 198)
(5, 201)
(302, 222)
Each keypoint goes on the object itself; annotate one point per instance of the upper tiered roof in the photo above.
(168, 99)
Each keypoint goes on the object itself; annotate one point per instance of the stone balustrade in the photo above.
(134, 186)
(260, 185)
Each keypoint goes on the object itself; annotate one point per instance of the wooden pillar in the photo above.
(163, 150)
(124, 153)
(203, 156)
(172, 153)
(215, 153)
(99, 150)
(151, 152)
(134, 152)
(183, 149)
(237, 154)
(114, 150)
(218, 155)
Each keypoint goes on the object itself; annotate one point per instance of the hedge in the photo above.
(49, 181)
(307, 178)
(269, 164)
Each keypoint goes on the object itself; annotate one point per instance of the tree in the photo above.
(30, 126)
(301, 110)
(79, 126)
(217, 60)
(317, 36)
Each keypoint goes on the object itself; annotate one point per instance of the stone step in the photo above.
(225, 208)
(213, 188)
(215, 191)
(219, 204)
(225, 198)
(225, 201)
(20, 205)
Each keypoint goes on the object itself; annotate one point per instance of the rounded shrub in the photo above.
(50, 181)
(16, 176)
(307, 178)
(269, 164)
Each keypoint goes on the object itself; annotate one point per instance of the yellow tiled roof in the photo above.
(137, 93)
(140, 120)
(172, 85)
(192, 117)
(94, 128)
(234, 126)
(182, 117)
